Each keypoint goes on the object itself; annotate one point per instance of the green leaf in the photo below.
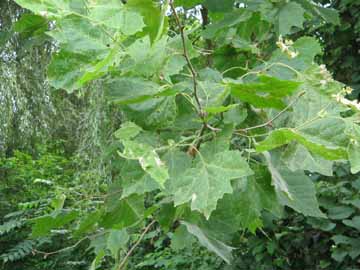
(166, 216)
(31, 24)
(354, 222)
(321, 224)
(134, 180)
(330, 15)
(88, 223)
(209, 180)
(52, 8)
(188, 3)
(127, 131)
(117, 240)
(153, 113)
(340, 212)
(147, 59)
(318, 142)
(244, 207)
(267, 93)
(98, 259)
(174, 65)
(219, 6)
(278, 181)
(303, 194)
(148, 159)
(43, 225)
(79, 35)
(64, 72)
(353, 130)
(130, 90)
(294, 189)
(230, 20)
(354, 156)
(297, 157)
(306, 47)
(220, 109)
(114, 14)
(181, 238)
(151, 14)
(125, 213)
(219, 248)
(290, 15)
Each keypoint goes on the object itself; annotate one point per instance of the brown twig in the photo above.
(187, 58)
(209, 46)
(123, 262)
(276, 116)
(47, 254)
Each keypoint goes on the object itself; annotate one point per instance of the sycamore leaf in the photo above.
(230, 20)
(306, 47)
(181, 238)
(98, 260)
(318, 142)
(330, 15)
(354, 222)
(125, 213)
(114, 14)
(353, 131)
(79, 35)
(64, 71)
(266, 93)
(291, 14)
(243, 208)
(297, 157)
(127, 131)
(30, 24)
(134, 180)
(147, 59)
(300, 191)
(153, 113)
(354, 156)
(188, 3)
(43, 225)
(219, 248)
(124, 90)
(151, 14)
(340, 212)
(303, 194)
(220, 109)
(278, 181)
(53, 8)
(88, 222)
(208, 181)
(148, 159)
(145, 154)
(117, 240)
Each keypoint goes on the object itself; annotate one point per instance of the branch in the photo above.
(186, 55)
(276, 116)
(209, 46)
(123, 262)
(47, 254)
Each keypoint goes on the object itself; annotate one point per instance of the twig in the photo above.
(209, 46)
(47, 254)
(123, 262)
(276, 116)
(187, 58)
